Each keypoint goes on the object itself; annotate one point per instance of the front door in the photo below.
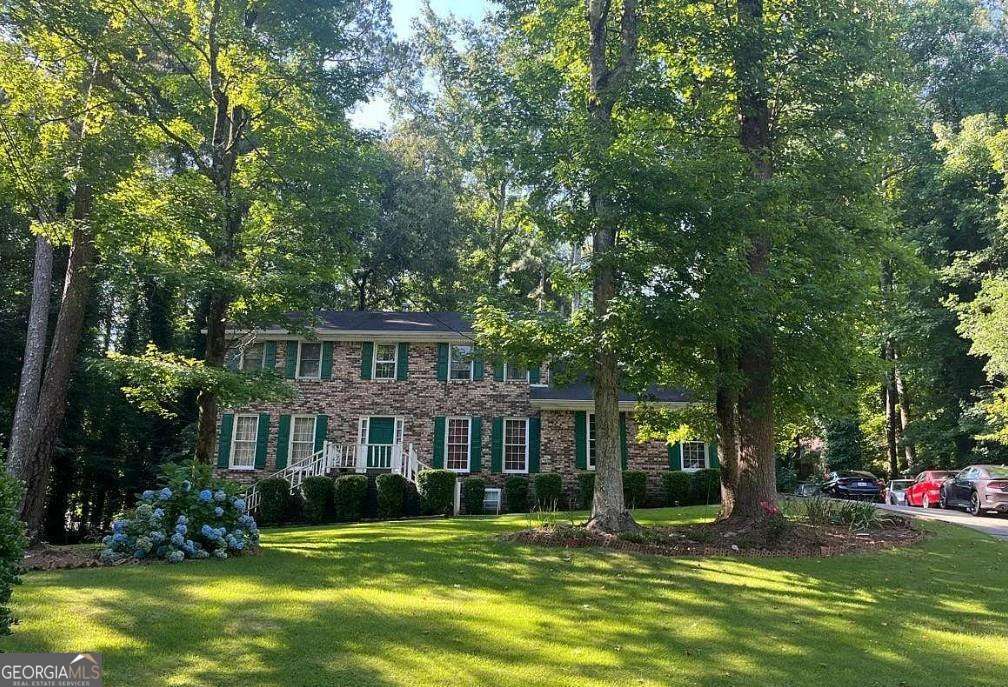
(381, 435)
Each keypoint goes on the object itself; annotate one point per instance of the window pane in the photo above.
(311, 359)
(515, 373)
(693, 455)
(385, 361)
(252, 357)
(302, 438)
(244, 444)
(514, 445)
(591, 441)
(457, 453)
(461, 362)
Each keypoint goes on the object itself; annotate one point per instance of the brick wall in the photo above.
(419, 399)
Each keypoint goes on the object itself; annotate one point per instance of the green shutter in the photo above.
(262, 437)
(476, 444)
(326, 360)
(534, 374)
(497, 445)
(269, 360)
(477, 366)
(366, 359)
(442, 362)
(402, 362)
(534, 441)
(675, 456)
(224, 440)
(580, 440)
(712, 454)
(283, 441)
(498, 370)
(622, 440)
(290, 362)
(437, 460)
(321, 429)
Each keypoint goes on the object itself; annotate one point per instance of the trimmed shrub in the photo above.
(411, 501)
(274, 501)
(705, 486)
(437, 492)
(516, 494)
(585, 490)
(676, 485)
(371, 498)
(391, 489)
(548, 488)
(12, 544)
(473, 491)
(195, 515)
(634, 488)
(349, 493)
(318, 498)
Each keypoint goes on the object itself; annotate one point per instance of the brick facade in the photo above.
(346, 398)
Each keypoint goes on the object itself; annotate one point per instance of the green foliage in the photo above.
(349, 494)
(274, 500)
(473, 490)
(391, 489)
(548, 489)
(585, 489)
(676, 485)
(12, 544)
(437, 491)
(855, 515)
(845, 446)
(318, 498)
(516, 494)
(705, 486)
(634, 488)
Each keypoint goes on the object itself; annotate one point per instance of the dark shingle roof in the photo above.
(370, 321)
(582, 391)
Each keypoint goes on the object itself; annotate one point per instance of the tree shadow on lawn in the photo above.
(446, 602)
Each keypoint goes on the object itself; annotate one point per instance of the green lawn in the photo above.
(442, 602)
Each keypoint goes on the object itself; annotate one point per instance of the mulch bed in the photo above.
(716, 539)
(49, 557)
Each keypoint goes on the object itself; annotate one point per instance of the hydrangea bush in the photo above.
(193, 516)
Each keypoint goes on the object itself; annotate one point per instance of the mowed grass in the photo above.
(444, 602)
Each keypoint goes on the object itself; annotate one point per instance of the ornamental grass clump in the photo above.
(193, 516)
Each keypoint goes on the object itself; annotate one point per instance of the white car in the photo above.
(896, 491)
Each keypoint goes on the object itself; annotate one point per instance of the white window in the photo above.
(302, 438)
(515, 445)
(252, 357)
(457, 444)
(694, 455)
(460, 362)
(384, 361)
(590, 459)
(310, 361)
(243, 442)
(515, 373)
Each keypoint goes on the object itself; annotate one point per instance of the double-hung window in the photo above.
(252, 357)
(243, 442)
(384, 361)
(694, 455)
(516, 445)
(310, 361)
(457, 444)
(515, 373)
(460, 362)
(590, 458)
(302, 438)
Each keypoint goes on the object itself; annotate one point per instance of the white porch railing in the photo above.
(358, 457)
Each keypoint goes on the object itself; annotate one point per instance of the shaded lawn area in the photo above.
(443, 602)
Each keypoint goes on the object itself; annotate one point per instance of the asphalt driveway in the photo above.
(994, 525)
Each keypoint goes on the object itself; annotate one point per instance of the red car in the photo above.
(926, 489)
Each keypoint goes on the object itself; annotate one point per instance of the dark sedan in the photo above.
(853, 484)
(977, 488)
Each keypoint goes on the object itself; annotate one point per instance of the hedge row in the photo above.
(344, 499)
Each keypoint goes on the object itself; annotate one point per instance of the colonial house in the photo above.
(379, 391)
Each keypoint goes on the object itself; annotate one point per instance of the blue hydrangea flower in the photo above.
(205, 496)
(181, 528)
(144, 544)
(218, 511)
(157, 536)
(165, 494)
(239, 505)
(220, 496)
(176, 557)
(239, 544)
(118, 537)
(144, 511)
(118, 525)
(182, 520)
(107, 556)
(177, 539)
(208, 532)
(158, 513)
(186, 485)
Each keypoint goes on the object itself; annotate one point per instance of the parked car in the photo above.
(926, 489)
(895, 493)
(853, 484)
(977, 488)
(805, 489)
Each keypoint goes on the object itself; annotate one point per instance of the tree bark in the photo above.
(726, 415)
(34, 357)
(909, 449)
(889, 404)
(206, 400)
(756, 475)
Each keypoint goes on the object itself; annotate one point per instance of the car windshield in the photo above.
(998, 472)
(901, 483)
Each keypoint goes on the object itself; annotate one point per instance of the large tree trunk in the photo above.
(726, 415)
(609, 513)
(756, 475)
(34, 357)
(892, 419)
(62, 356)
(904, 413)
(206, 401)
